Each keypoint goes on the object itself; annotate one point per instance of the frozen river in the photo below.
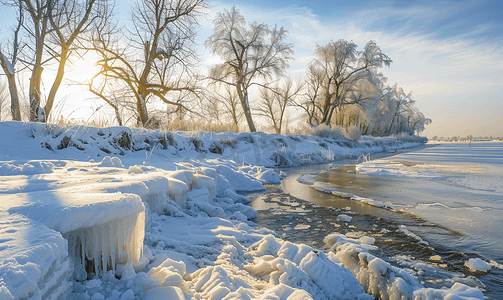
(456, 185)
(440, 199)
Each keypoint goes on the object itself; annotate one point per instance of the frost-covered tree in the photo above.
(153, 58)
(250, 53)
(273, 103)
(9, 55)
(334, 75)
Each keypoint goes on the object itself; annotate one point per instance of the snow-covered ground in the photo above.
(116, 213)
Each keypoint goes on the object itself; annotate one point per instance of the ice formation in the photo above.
(477, 265)
(99, 248)
(385, 281)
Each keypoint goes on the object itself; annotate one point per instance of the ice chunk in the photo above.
(477, 265)
(222, 185)
(267, 245)
(178, 192)
(344, 218)
(68, 210)
(458, 291)
(384, 281)
(205, 181)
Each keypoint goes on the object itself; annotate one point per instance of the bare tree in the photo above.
(250, 52)
(8, 61)
(155, 58)
(273, 103)
(229, 101)
(38, 28)
(69, 19)
(334, 73)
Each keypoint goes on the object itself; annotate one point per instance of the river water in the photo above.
(444, 200)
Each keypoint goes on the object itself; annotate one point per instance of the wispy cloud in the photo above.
(445, 68)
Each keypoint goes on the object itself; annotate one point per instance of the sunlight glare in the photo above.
(83, 69)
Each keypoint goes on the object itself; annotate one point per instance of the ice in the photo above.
(404, 229)
(207, 182)
(302, 226)
(344, 218)
(178, 192)
(477, 265)
(385, 281)
(116, 242)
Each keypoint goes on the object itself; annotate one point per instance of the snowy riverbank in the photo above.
(119, 213)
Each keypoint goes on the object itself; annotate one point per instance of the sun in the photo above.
(81, 70)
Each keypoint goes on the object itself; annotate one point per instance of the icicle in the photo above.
(118, 241)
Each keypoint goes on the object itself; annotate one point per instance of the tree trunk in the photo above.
(142, 110)
(35, 92)
(243, 97)
(14, 98)
(56, 84)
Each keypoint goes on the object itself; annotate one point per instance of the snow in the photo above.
(477, 265)
(8, 64)
(34, 259)
(385, 281)
(119, 213)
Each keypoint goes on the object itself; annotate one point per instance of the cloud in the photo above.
(443, 67)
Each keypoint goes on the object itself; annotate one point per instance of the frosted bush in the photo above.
(353, 133)
(323, 131)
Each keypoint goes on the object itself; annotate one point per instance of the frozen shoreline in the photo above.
(199, 241)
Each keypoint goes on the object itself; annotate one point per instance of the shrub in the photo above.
(323, 131)
(353, 133)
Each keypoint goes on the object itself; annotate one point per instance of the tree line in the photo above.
(148, 69)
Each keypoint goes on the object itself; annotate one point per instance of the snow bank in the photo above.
(384, 281)
(258, 149)
(34, 261)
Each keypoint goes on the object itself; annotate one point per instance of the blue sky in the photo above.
(449, 54)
